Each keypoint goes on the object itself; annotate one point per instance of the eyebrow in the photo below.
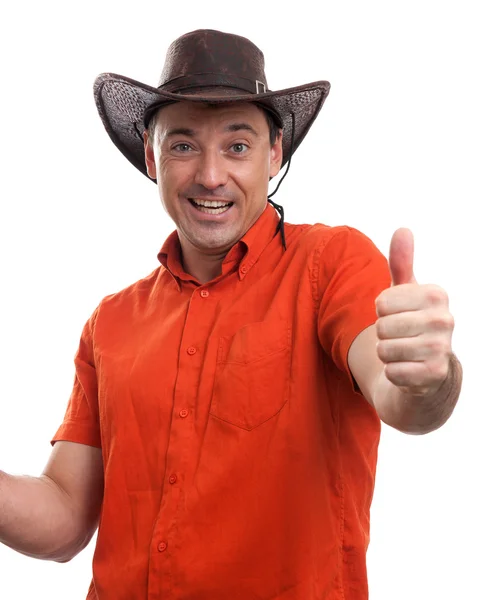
(230, 128)
(240, 127)
(181, 131)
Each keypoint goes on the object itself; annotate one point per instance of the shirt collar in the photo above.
(241, 257)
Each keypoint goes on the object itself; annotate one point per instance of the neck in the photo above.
(203, 267)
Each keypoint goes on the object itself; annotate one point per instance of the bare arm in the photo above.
(410, 413)
(54, 516)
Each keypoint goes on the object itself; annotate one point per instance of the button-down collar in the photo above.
(241, 257)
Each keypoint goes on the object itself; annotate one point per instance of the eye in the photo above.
(239, 148)
(182, 147)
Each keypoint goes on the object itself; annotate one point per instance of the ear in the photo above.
(276, 156)
(149, 156)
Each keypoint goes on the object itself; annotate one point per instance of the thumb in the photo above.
(401, 257)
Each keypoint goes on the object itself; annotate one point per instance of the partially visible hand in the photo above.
(414, 325)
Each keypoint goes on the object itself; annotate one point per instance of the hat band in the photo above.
(199, 80)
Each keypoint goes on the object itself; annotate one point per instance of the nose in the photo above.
(211, 170)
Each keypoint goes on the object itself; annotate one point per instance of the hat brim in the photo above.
(122, 104)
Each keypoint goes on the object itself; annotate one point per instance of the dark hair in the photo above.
(272, 123)
(274, 128)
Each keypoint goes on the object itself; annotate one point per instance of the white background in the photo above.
(395, 145)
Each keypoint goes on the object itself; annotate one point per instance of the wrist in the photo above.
(419, 411)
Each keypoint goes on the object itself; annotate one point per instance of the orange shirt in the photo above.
(239, 461)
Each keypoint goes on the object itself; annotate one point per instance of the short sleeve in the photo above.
(81, 421)
(350, 272)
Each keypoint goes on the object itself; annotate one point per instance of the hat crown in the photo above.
(206, 52)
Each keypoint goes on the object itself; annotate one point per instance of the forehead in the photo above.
(198, 113)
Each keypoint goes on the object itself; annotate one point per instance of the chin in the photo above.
(220, 245)
(216, 242)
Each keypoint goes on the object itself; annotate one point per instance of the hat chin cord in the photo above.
(278, 207)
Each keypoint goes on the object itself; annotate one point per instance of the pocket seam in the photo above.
(284, 345)
(250, 362)
(245, 427)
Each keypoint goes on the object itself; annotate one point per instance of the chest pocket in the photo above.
(252, 374)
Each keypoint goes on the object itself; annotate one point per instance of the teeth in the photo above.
(210, 203)
(212, 211)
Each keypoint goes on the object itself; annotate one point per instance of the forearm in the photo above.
(415, 413)
(38, 519)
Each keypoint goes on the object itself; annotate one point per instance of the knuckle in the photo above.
(390, 372)
(450, 322)
(394, 373)
(381, 328)
(438, 346)
(438, 370)
(436, 295)
(380, 304)
(443, 321)
(382, 351)
(442, 371)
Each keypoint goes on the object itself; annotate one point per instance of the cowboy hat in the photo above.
(204, 66)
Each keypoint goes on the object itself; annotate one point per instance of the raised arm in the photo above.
(404, 364)
(54, 516)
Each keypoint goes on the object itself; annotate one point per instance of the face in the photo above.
(212, 165)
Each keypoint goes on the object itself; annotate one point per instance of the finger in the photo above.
(406, 297)
(417, 348)
(420, 375)
(409, 297)
(401, 257)
(401, 325)
(413, 323)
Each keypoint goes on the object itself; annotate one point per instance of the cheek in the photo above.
(259, 179)
(172, 176)
(253, 174)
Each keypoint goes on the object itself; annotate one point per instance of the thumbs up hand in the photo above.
(414, 325)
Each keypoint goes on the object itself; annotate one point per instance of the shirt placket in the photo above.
(164, 551)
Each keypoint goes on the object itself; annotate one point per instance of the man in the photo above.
(225, 416)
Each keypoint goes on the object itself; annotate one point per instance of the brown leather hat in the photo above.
(204, 66)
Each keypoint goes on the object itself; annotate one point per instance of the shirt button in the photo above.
(184, 413)
(191, 350)
(162, 546)
(243, 269)
(204, 293)
(173, 479)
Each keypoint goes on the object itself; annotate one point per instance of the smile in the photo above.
(210, 207)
